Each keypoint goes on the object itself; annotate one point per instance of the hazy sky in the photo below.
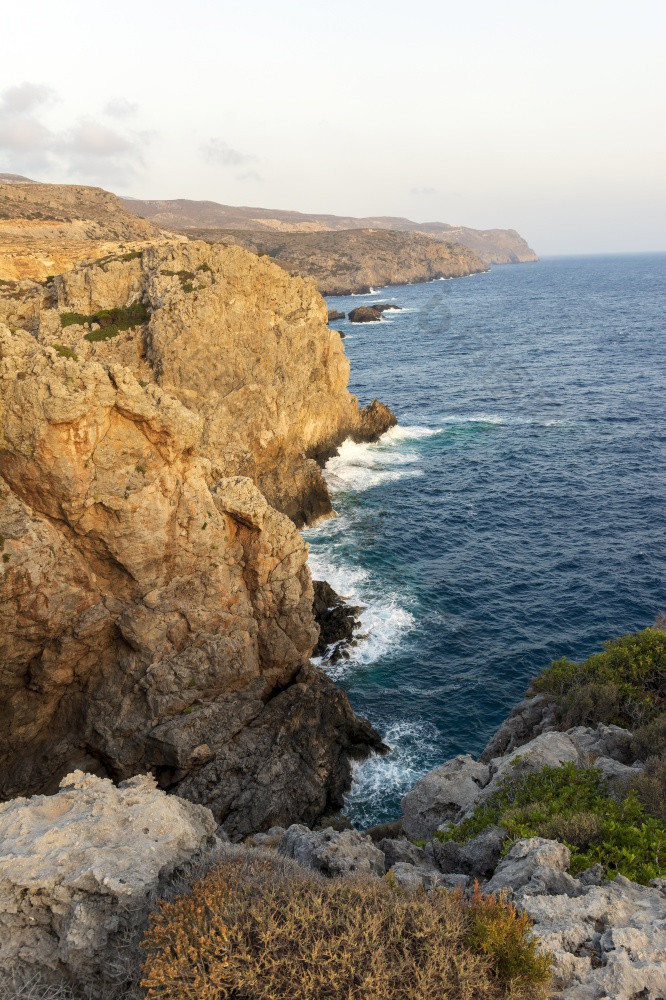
(546, 117)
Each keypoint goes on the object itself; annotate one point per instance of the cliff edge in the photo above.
(158, 416)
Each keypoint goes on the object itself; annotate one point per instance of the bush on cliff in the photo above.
(625, 685)
(573, 805)
(252, 930)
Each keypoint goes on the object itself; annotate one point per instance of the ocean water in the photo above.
(518, 512)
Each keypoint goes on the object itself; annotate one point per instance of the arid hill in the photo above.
(46, 229)
(354, 260)
(493, 246)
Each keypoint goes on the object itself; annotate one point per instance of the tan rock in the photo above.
(147, 579)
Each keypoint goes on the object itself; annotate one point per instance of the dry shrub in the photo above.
(579, 829)
(250, 931)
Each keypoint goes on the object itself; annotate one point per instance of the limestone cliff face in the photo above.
(155, 606)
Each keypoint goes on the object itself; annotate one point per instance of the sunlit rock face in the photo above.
(156, 604)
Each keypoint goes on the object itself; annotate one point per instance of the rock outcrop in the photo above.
(331, 852)
(80, 869)
(156, 606)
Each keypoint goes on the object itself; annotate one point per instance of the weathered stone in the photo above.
(442, 795)
(546, 750)
(396, 851)
(364, 314)
(524, 859)
(528, 719)
(478, 857)
(332, 852)
(79, 870)
(337, 622)
(334, 314)
(607, 942)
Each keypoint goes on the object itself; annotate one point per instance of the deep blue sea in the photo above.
(518, 512)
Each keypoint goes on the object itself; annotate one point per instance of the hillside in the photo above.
(493, 246)
(47, 228)
(353, 260)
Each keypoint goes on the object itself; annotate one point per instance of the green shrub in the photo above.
(65, 352)
(624, 685)
(73, 319)
(650, 740)
(572, 804)
(104, 334)
(255, 928)
(111, 321)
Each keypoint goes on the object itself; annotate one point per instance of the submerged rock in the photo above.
(365, 314)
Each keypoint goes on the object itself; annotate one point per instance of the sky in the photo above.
(545, 117)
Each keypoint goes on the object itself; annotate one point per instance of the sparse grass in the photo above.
(204, 267)
(573, 805)
(624, 685)
(248, 930)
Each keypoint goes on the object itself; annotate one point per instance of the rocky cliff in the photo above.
(493, 246)
(354, 260)
(157, 418)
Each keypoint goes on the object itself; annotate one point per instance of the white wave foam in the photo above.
(500, 420)
(383, 616)
(360, 467)
(390, 776)
(404, 433)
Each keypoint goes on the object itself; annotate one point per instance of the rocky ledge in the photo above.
(163, 419)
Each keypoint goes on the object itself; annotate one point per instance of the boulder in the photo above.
(334, 314)
(415, 878)
(528, 719)
(365, 314)
(331, 852)
(478, 857)
(525, 859)
(386, 307)
(401, 851)
(79, 869)
(443, 795)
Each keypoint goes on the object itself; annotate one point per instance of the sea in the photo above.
(515, 515)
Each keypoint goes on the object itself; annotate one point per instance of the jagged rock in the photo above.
(337, 622)
(478, 857)
(401, 851)
(442, 795)
(391, 830)
(385, 306)
(602, 741)
(365, 314)
(79, 869)
(608, 941)
(528, 719)
(373, 421)
(524, 859)
(332, 852)
(145, 564)
(267, 840)
(334, 314)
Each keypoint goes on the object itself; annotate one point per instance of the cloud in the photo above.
(423, 190)
(222, 154)
(25, 97)
(87, 150)
(249, 175)
(23, 135)
(90, 138)
(119, 107)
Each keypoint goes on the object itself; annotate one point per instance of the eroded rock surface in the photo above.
(80, 869)
(332, 852)
(156, 607)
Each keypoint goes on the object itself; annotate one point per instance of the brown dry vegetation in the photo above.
(249, 932)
